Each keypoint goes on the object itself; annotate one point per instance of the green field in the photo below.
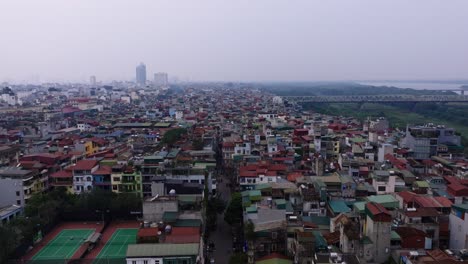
(63, 246)
(115, 249)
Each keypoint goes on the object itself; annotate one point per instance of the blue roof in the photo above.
(339, 206)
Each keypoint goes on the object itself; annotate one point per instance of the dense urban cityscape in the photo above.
(153, 172)
(234, 132)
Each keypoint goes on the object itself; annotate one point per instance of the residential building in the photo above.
(83, 175)
(459, 226)
(141, 74)
(17, 185)
(161, 79)
(377, 230)
(162, 253)
(423, 141)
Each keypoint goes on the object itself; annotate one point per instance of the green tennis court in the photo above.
(115, 249)
(63, 246)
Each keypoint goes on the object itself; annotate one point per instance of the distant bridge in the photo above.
(378, 98)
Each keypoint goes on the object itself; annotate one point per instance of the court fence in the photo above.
(71, 261)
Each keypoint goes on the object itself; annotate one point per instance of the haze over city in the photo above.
(55, 40)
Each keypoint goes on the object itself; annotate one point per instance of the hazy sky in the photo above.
(250, 40)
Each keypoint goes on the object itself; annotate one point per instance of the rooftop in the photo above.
(162, 250)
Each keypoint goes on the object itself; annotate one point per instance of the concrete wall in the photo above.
(153, 211)
(379, 233)
(458, 232)
(8, 192)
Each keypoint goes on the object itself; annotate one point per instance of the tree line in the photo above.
(45, 210)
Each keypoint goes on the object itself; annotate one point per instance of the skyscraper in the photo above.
(141, 74)
(92, 80)
(160, 79)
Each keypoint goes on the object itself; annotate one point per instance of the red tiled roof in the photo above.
(278, 167)
(429, 162)
(251, 167)
(183, 235)
(405, 232)
(407, 196)
(185, 231)
(333, 237)
(282, 159)
(425, 201)
(245, 173)
(420, 212)
(292, 177)
(363, 168)
(62, 174)
(451, 179)
(66, 110)
(85, 165)
(376, 209)
(444, 201)
(148, 232)
(182, 239)
(456, 189)
(103, 170)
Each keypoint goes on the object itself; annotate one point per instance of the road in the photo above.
(222, 237)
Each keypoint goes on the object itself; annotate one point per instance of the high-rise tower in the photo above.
(141, 74)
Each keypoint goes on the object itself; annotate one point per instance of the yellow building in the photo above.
(126, 180)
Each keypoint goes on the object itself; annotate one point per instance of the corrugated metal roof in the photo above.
(162, 250)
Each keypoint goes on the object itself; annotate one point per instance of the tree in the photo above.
(8, 242)
(171, 136)
(197, 144)
(249, 230)
(233, 214)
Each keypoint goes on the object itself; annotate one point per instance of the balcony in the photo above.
(104, 183)
(64, 183)
(127, 189)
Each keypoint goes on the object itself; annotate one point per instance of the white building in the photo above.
(83, 127)
(9, 98)
(384, 149)
(161, 79)
(458, 226)
(179, 115)
(83, 175)
(242, 148)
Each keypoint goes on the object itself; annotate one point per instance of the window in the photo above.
(133, 261)
(145, 262)
(273, 247)
(18, 202)
(156, 261)
(381, 188)
(17, 193)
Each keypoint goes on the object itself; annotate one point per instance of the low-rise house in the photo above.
(459, 226)
(162, 253)
(83, 175)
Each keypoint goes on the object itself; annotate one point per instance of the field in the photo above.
(64, 245)
(64, 242)
(115, 249)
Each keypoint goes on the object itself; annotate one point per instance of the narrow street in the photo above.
(221, 237)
